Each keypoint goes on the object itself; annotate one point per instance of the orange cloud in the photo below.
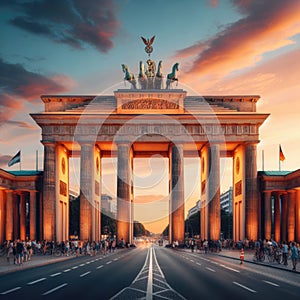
(267, 27)
(149, 198)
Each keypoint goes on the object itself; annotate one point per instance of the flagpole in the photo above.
(279, 159)
(36, 161)
(263, 160)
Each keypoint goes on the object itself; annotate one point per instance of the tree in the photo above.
(192, 224)
(74, 212)
(139, 229)
(226, 224)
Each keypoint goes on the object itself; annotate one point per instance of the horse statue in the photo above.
(171, 77)
(142, 77)
(129, 76)
(158, 76)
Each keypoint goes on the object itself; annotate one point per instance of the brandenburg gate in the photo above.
(143, 121)
(138, 122)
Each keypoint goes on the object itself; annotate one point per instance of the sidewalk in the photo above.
(248, 254)
(36, 260)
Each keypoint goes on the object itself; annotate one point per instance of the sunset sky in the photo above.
(224, 47)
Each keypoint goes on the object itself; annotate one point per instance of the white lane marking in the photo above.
(100, 267)
(12, 290)
(150, 279)
(163, 276)
(231, 269)
(244, 287)
(55, 289)
(81, 265)
(204, 259)
(55, 274)
(115, 259)
(109, 262)
(36, 281)
(191, 260)
(84, 274)
(68, 270)
(88, 262)
(212, 270)
(75, 267)
(198, 264)
(141, 271)
(271, 283)
(221, 265)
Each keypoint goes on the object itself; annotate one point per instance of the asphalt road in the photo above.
(150, 273)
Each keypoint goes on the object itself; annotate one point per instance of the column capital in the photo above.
(124, 144)
(251, 143)
(49, 143)
(86, 143)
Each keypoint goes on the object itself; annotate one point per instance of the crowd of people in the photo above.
(21, 251)
(285, 250)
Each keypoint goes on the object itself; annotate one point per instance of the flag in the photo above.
(15, 159)
(281, 155)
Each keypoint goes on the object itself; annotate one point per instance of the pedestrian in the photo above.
(19, 251)
(205, 244)
(294, 255)
(192, 244)
(9, 247)
(285, 252)
(113, 245)
(67, 247)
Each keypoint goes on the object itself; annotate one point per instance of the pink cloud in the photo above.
(266, 27)
(214, 3)
(4, 159)
(20, 86)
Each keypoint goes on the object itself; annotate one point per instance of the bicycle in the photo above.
(259, 256)
(275, 254)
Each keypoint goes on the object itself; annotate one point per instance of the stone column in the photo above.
(268, 214)
(22, 217)
(251, 204)
(297, 234)
(9, 216)
(32, 215)
(16, 215)
(177, 193)
(98, 191)
(2, 215)
(204, 158)
(284, 204)
(213, 197)
(86, 191)
(291, 215)
(124, 182)
(49, 192)
(277, 217)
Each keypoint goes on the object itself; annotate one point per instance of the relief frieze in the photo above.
(150, 104)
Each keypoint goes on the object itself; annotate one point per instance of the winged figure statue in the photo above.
(148, 43)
